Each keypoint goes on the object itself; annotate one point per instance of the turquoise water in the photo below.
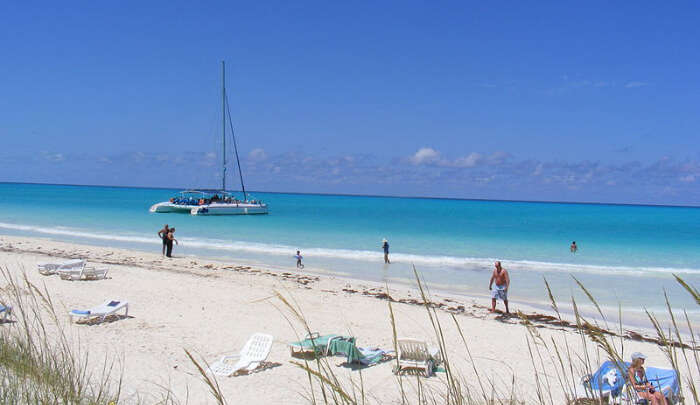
(626, 253)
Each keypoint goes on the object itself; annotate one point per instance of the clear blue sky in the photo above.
(519, 100)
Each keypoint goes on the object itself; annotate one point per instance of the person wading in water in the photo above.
(385, 246)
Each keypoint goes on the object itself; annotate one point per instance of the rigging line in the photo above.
(235, 147)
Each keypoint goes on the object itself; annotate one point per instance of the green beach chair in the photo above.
(312, 343)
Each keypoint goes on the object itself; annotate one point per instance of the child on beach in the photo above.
(298, 256)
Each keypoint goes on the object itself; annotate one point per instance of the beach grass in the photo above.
(40, 363)
(599, 343)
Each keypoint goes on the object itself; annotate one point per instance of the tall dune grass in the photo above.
(598, 345)
(38, 365)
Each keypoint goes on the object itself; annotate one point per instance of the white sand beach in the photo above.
(211, 308)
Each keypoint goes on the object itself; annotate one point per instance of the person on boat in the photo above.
(170, 240)
(638, 379)
(385, 247)
(500, 276)
(298, 256)
(163, 235)
(573, 247)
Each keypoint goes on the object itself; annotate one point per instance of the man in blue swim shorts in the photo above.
(500, 276)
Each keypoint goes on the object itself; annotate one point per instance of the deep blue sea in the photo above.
(627, 254)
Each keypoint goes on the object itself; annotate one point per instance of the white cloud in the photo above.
(538, 170)
(53, 157)
(688, 179)
(468, 161)
(257, 155)
(425, 155)
(631, 85)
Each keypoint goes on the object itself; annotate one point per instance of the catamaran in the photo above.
(215, 202)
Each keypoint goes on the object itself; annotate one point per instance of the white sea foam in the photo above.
(451, 262)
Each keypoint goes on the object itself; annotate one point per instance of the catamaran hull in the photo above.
(230, 209)
(210, 209)
(170, 207)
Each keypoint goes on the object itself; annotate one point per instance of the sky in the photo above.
(594, 102)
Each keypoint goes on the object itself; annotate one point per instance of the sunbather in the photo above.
(638, 380)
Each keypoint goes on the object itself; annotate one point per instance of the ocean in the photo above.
(627, 254)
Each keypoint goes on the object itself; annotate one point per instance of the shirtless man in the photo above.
(500, 276)
(163, 234)
(170, 238)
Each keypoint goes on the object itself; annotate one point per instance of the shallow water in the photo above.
(627, 254)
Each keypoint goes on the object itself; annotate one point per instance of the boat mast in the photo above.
(223, 121)
(227, 109)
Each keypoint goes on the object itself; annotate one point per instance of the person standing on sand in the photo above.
(500, 276)
(170, 238)
(163, 234)
(573, 247)
(298, 256)
(385, 246)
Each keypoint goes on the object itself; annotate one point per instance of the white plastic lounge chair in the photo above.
(255, 351)
(48, 269)
(414, 354)
(5, 311)
(84, 273)
(101, 311)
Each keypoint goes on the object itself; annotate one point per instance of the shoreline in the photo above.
(400, 290)
(211, 308)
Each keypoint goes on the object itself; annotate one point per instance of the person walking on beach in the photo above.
(385, 246)
(573, 247)
(163, 235)
(170, 238)
(298, 256)
(500, 276)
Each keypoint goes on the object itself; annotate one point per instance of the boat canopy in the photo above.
(204, 192)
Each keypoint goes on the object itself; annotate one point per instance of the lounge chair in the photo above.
(255, 351)
(49, 268)
(5, 311)
(346, 346)
(84, 273)
(101, 311)
(610, 383)
(414, 354)
(312, 343)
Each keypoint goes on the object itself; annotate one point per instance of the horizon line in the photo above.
(373, 195)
